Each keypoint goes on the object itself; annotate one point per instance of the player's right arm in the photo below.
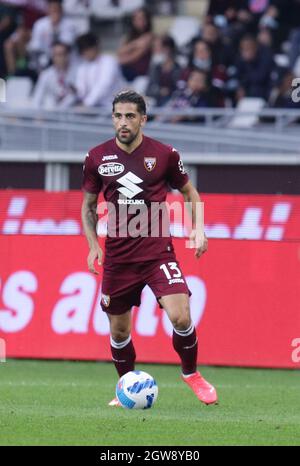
(89, 221)
(92, 186)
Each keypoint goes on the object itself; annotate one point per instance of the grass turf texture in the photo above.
(65, 403)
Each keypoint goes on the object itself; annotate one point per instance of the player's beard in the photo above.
(127, 140)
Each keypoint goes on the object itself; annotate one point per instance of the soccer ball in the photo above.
(137, 390)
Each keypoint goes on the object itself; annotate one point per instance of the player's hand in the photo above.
(199, 241)
(94, 254)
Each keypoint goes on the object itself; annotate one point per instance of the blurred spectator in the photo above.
(220, 52)
(201, 59)
(16, 54)
(8, 23)
(294, 46)
(254, 67)
(196, 94)
(55, 88)
(287, 16)
(281, 96)
(234, 19)
(98, 77)
(164, 72)
(227, 8)
(17, 58)
(135, 50)
(55, 27)
(265, 38)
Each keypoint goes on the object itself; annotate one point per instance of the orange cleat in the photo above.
(204, 391)
(115, 402)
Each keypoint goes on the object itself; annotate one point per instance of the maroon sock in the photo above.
(123, 355)
(185, 344)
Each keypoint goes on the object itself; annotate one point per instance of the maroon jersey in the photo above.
(132, 181)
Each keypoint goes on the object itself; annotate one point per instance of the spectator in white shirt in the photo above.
(46, 31)
(99, 76)
(55, 88)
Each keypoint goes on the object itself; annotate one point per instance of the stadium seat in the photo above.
(18, 91)
(242, 118)
(81, 23)
(184, 29)
(77, 7)
(104, 10)
(162, 24)
(139, 84)
(196, 8)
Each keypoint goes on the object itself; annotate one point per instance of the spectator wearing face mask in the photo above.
(164, 72)
(201, 59)
(195, 94)
(221, 53)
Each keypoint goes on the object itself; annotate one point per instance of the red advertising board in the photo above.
(231, 216)
(245, 303)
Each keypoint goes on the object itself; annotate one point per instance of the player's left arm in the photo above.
(197, 236)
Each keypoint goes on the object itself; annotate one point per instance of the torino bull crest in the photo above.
(150, 163)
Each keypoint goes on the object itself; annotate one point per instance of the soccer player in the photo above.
(133, 171)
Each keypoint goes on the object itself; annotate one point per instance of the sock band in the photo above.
(185, 333)
(120, 345)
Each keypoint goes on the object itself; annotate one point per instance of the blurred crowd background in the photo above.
(79, 53)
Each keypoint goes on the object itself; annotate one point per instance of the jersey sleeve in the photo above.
(177, 176)
(91, 182)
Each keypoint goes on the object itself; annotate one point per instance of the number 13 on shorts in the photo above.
(171, 271)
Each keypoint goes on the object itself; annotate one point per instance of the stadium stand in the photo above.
(231, 69)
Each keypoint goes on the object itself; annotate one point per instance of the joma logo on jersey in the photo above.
(129, 184)
(150, 163)
(111, 169)
(109, 157)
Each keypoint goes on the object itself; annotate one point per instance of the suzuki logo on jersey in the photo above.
(129, 184)
(111, 169)
(150, 163)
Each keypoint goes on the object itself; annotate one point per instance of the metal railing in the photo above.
(61, 138)
(75, 132)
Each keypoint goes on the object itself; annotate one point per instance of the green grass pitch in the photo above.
(65, 403)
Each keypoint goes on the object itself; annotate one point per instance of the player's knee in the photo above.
(120, 334)
(182, 319)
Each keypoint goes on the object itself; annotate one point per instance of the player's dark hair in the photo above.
(131, 97)
(87, 41)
